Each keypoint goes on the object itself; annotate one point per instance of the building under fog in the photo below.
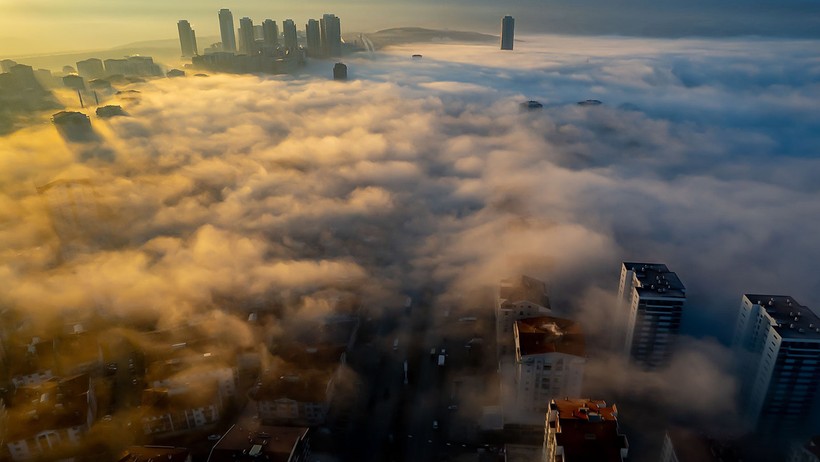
(519, 298)
(313, 38)
(583, 429)
(187, 39)
(270, 33)
(226, 30)
(91, 68)
(331, 35)
(550, 359)
(507, 32)
(289, 31)
(247, 42)
(777, 348)
(650, 306)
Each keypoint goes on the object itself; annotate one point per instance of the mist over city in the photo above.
(410, 232)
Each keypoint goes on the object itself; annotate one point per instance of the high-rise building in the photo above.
(650, 307)
(340, 71)
(520, 298)
(187, 39)
(91, 68)
(583, 429)
(313, 38)
(270, 33)
(289, 30)
(507, 32)
(226, 30)
(331, 35)
(247, 42)
(777, 348)
(550, 358)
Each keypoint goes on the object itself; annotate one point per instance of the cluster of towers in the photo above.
(323, 37)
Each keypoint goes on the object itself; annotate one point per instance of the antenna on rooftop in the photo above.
(97, 99)
(79, 95)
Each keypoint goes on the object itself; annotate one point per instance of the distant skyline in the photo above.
(96, 24)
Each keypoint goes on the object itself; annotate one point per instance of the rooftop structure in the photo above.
(583, 430)
(518, 298)
(261, 442)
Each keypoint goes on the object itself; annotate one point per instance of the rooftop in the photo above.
(690, 446)
(589, 430)
(792, 319)
(305, 385)
(258, 442)
(155, 454)
(547, 334)
(655, 278)
(524, 288)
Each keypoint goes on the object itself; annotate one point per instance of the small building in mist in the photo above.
(518, 298)
(651, 300)
(50, 417)
(583, 429)
(340, 71)
(74, 81)
(91, 68)
(132, 66)
(262, 442)
(74, 126)
(550, 360)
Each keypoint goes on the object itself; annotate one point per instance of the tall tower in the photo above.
(226, 30)
(777, 351)
(507, 32)
(650, 299)
(247, 43)
(314, 38)
(270, 32)
(289, 29)
(331, 32)
(187, 39)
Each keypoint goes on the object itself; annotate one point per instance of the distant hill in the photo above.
(402, 35)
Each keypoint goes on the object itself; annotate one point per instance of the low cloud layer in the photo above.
(427, 173)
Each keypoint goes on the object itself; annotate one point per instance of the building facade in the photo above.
(247, 42)
(331, 35)
(270, 33)
(313, 38)
(226, 30)
(651, 300)
(187, 39)
(91, 68)
(777, 349)
(519, 298)
(550, 360)
(583, 429)
(289, 31)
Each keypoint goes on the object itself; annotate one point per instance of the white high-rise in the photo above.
(777, 348)
(650, 306)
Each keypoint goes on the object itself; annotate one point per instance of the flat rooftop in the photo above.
(656, 279)
(793, 319)
(524, 288)
(257, 442)
(589, 430)
(548, 334)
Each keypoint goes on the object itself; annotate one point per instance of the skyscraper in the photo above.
(650, 299)
(187, 39)
(331, 35)
(91, 68)
(314, 39)
(226, 30)
(507, 32)
(270, 33)
(247, 43)
(777, 351)
(289, 29)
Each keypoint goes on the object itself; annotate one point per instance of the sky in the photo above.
(49, 26)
